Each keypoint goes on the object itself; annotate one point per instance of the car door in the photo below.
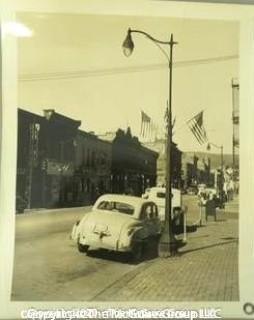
(150, 219)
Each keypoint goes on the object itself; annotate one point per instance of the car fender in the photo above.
(77, 228)
(75, 231)
(125, 239)
(140, 234)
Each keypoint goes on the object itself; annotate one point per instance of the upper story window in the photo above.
(88, 158)
(93, 158)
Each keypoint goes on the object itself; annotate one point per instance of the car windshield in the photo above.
(116, 206)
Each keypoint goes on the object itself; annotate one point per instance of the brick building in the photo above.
(60, 165)
(46, 158)
(159, 146)
(29, 164)
(134, 166)
(93, 167)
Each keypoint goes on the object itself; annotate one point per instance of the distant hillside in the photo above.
(215, 158)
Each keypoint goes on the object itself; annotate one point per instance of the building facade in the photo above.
(60, 165)
(134, 166)
(93, 167)
(196, 171)
(29, 153)
(46, 158)
(159, 146)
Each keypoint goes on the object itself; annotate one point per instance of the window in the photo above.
(149, 211)
(83, 154)
(88, 158)
(161, 195)
(93, 159)
(115, 206)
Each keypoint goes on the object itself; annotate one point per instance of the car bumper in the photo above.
(104, 243)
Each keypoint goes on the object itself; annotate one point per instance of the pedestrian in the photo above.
(231, 189)
(225, 192)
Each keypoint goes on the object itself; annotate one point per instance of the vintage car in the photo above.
(211, 194)
(158, 195)
(119, 223)
(192, 190)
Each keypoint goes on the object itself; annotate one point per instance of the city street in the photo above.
(49, 267)
(93, 136)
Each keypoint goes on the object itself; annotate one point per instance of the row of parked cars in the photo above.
(125, 223)
(206, 194)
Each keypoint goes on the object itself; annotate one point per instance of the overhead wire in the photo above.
(119, 70)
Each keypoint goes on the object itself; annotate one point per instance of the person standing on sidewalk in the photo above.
(202, 204)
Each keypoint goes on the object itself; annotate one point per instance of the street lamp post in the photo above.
(221, 162)
(168, 243)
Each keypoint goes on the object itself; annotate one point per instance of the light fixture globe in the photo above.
(128, 44)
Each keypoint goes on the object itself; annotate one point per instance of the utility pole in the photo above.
(32, 154)
(235, 120)
(168, 242)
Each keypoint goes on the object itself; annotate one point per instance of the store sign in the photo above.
(59, 168)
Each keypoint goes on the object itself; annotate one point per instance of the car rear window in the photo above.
(116, 206)
(161, 195)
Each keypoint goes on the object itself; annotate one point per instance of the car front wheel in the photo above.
(82, 248)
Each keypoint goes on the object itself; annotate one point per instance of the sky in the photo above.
(75, 65)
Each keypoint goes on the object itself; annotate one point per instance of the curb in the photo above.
(39, 211)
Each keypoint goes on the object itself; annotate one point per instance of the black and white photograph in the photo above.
(127, 154)
(127, 177)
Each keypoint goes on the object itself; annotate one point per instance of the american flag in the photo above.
(166, 118)
(197, 128)
(145, 124)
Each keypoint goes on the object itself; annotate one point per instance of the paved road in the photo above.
(48, 265)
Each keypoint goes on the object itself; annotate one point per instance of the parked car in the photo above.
(210, 194)
(119, 223)
(158, 195)
(193, 190)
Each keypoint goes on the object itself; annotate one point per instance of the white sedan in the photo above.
(158, 196)
(119, 223)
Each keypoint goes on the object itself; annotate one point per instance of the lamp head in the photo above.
(208, 147)
(128, 44)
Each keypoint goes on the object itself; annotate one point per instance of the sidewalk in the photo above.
(206, 269)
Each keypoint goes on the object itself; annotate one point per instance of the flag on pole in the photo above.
(197, 128)
(145, 124)
(166, 115)
(166, 118)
